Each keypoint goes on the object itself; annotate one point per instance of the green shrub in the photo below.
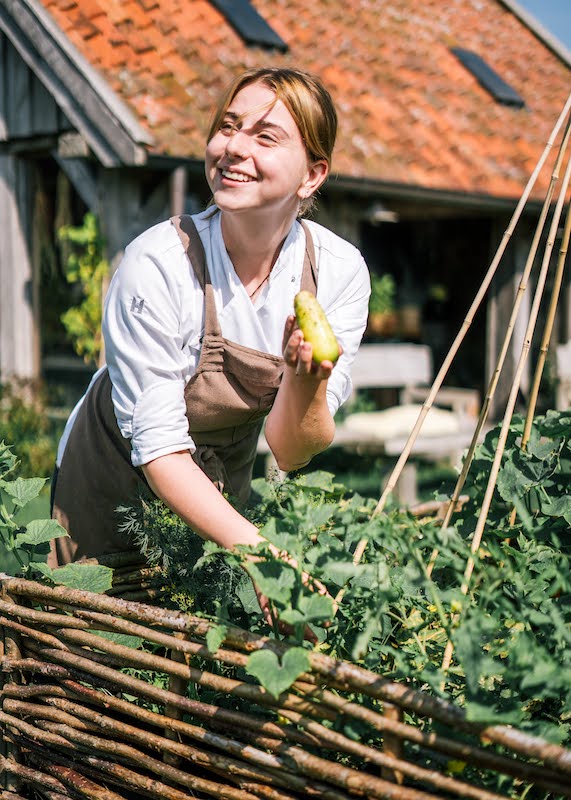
(87, 269)
(24, 420)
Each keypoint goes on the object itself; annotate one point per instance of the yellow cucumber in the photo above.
(315, 327)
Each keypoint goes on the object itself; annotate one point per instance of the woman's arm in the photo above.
(186, 490)
(300, 424)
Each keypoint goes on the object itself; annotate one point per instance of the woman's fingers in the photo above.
(283, 627)
(289, 328)
(299, 354)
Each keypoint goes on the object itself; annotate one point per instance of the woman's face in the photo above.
(257, 160)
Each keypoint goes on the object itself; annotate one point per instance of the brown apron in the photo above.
(227, 399)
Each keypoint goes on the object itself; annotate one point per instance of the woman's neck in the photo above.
(253, 245)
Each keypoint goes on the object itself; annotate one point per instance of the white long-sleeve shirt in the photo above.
(154, 320)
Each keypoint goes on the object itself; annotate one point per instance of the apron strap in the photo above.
(192, 243)
(309, 274)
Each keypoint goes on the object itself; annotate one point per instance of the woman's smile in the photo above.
(233, 175)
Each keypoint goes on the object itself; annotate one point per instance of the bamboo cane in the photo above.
(507, 339)
(487, 500)
(473, 308)
(556, 292)
(544, 346)
(443, 371)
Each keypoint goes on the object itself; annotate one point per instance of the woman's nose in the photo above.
(237, 144)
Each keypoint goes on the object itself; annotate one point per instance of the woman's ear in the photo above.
(316, 175)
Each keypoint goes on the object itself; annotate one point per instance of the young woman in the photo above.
(200, 338)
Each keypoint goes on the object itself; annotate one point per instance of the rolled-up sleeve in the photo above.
(144, 345)
(344, 296)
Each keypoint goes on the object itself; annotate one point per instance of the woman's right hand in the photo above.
(266, 607)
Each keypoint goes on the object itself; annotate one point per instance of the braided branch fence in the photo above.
(87, 713)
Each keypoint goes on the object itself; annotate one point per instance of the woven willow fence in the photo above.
(79, 720)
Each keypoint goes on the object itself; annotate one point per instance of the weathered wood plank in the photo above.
(45, 117)
(26, 107)
(503, 294)
(18, 90)
(19, 351)
(4, 44)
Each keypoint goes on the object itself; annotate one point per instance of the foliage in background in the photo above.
(24, 544)
(87, 268)
(24, 420)
(511, 633)
(383, 289)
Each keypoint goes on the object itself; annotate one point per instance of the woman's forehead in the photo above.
(257, 101)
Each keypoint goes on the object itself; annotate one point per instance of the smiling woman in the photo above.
(200, 333)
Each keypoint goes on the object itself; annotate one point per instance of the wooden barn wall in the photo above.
(19, 343)
(27, 110)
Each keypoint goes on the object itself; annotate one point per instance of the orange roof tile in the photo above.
(409, 112)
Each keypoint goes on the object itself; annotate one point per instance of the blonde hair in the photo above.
(306, 99)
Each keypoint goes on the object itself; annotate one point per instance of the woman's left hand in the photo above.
(298, 353)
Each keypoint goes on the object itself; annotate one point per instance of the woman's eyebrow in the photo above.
(260, 124)
(263, 124)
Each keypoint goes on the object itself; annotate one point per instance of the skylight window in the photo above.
(248, 24)
(490, 80)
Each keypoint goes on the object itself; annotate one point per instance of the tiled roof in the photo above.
(410, 113)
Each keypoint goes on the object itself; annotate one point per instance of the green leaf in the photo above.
(215, 637)
(22, 490)
(274, 676)
(373, 626)
(124, 639)
(511, 482)
(292, 616)
(248, 599)
(319, 479)
(7, 461)
(274, 579)
(316, 607)
(88, 577)
(39, 531)
(558, 507)
(485, 712)
(264, 489)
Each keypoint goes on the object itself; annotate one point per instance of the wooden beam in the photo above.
(83, 178)
(30, 145)
(123, 216)
(107, 124)
(19, 340)
(72, 145)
